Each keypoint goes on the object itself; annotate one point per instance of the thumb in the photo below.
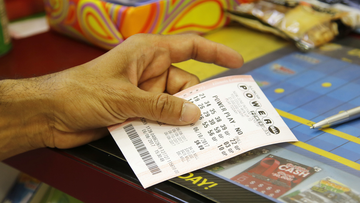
(166, 108)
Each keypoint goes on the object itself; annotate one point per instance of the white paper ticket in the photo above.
(235, 117)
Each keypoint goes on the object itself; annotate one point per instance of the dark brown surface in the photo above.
(45, 53)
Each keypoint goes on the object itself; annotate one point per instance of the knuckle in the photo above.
(137, 36)
(191, 35)
(194, 79)
(162, 104)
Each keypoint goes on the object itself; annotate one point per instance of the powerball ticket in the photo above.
(235, 117)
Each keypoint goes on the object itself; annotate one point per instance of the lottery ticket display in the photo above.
(274, 176)
(235, 117)
(324, 191)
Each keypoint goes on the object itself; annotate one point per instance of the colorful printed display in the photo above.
(274, 176)
(324, 190)
(107, 25)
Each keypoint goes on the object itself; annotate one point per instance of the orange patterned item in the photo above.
(107, 25)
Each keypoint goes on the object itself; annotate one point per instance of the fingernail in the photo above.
(189, 112)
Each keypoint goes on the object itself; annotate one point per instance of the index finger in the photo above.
(191, 46)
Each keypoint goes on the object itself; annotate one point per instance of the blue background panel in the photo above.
(304, 133)
(337, 109)
(291, 123)
(264, 80)
(288, 89)
(357, 81)
(327, 141)
(277, 73)
(302, 77)
(335, 84)
(279, 104)
(300, 97)
(331, 66)
(349, 151)
(310, 75)
(305, 60)
(319, 106)
(355, 102)
(346, 92)
(350, 128)
(348, 73)
(303, 113)
(305, 96)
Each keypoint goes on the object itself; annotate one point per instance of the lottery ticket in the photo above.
(235, 117)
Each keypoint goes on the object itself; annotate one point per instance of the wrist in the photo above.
(24, 115)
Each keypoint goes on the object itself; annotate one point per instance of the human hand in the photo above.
(135, 79)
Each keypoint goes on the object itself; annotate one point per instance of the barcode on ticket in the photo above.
(142, 150)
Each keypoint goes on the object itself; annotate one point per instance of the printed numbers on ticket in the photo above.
(235, 117)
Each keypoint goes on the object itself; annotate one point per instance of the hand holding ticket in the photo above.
(235, 117)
